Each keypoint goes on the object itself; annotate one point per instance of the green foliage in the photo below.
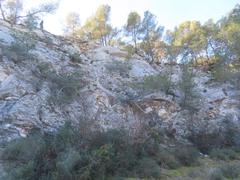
(133, 21)
(208, 42)
(223, 154)
(230, 171)
(148, 168)
(119, 67)
(66, 162)
(75, 58)
(223, 73)
(150, 34)
(130, 50)
(226, 137)
(133, 27)
(205, 141)
(190, 37)
(190, 98)
(187, 156)
(156, 83)
(97, 27)
(65, 87)
(23, 44)
(23, 149)
(13, 11)
(31, 22)
(20, 48)
(72, 23)
(167, 159)
(216, 174)
(44, 70)
(71, 154)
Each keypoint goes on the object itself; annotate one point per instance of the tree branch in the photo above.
(2, 12)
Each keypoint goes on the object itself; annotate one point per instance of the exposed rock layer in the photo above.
(24, 101)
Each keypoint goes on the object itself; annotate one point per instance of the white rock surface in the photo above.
(108, 97)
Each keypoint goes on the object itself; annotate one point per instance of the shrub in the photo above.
(66, 163)
(230, 171)
(216, 174)
(223, 154)
(25, 171)
(64, 87)
(130, 51)
(222, 73)
(31, 22)
(43, 70)
(197, 174)
(119, 67)
(125, 155)
(226, 137)
(148, 168)
(23, 149)
(190, 98)
(71, 154)
(20, 48)
(75, 58)
(187, 156)
(155, 83)
(231, 132)
(167, 159)
(205, 141)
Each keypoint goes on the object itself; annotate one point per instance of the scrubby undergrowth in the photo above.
(82, 152)
(73, 153)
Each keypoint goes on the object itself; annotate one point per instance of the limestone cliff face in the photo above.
(105, 76)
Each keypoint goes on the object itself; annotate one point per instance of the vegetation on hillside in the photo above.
(81, 150)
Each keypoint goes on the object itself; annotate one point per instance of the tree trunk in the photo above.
(135, 39)
(2, 12)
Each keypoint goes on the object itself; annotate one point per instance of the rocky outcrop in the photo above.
(106, 95)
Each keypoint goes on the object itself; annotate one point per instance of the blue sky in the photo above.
(169, 12)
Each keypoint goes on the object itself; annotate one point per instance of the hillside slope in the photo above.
(46, 80)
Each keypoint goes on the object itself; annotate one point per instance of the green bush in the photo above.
(197, 174)
(226, 137)
(66, 163)
(155, 83)
(40, 73)
(216, 174)
(24, 172)
(223, 154)
(119, 67)
(20, 48)
(130, 51)
(190, 99)
(64, 87)
(167, 159)
(186, 155)
(222, 73)
(24, 148)
(230, 171)
(75, 58)
(43, 70)
(205, 141)
(148, 168)
(72, 154)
